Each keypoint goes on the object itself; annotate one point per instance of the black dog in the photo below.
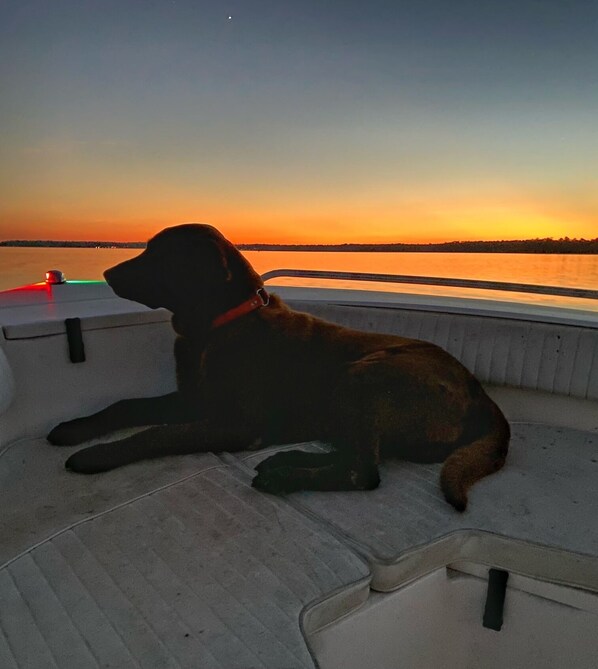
(251, 372)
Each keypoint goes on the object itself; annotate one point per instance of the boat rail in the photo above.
(560, 291)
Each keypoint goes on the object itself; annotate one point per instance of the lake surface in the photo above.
(20, 266)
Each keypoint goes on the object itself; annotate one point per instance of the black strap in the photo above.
(495, 599)
(75, 339)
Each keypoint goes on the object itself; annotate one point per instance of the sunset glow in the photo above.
(299, 122)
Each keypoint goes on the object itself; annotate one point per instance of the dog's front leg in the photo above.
(172, 408)
(156, 442)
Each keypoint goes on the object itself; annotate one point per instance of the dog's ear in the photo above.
(210, 259)
(216, 257)
(224, 251)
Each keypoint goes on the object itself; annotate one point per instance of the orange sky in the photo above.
(381, 217)
(299, 122)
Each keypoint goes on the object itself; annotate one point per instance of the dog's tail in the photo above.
(478, 458)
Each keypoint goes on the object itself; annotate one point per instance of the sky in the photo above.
(303, 121)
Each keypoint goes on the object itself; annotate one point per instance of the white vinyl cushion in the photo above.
(559, 359)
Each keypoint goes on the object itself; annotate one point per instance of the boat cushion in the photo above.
(177, 559)
(536, 516)
(204, 572)
(556, 358)
(41, 498)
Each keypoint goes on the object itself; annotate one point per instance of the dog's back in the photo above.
(301, 378)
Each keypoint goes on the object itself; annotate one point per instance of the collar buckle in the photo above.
(263, 295)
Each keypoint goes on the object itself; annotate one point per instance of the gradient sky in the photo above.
(308, 121)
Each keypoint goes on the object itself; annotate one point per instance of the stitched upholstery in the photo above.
(561, 359)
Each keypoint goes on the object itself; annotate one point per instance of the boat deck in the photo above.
(180, 563)
(194, 569)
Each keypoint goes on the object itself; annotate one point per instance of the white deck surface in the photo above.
(180, 563)
(537, 516)
(205, 572)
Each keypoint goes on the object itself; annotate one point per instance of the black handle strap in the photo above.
(75, 339)
(495, 599)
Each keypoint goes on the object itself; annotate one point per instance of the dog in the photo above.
(251, 372)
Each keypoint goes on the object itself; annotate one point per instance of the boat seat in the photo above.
(39, 498)
(555, 358)
(171, 563)
(536, 516)
(7, 383)
(179, 562)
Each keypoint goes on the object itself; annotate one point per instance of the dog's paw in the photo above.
(296, 458)
(71, 433)
(92, 460)
(282, 459)
(275, 481)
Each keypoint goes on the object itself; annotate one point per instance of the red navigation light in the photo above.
(54, 277)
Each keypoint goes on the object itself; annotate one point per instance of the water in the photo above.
(20, 266)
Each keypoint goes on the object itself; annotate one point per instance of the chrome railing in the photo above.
(434, 281)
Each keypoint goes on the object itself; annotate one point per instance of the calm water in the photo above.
(19, 266)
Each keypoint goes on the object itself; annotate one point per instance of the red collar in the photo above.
(259, 299)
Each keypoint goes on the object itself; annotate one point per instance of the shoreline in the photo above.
(531, 246)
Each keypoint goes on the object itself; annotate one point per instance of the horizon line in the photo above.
(327, 244)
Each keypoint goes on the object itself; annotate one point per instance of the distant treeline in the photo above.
(546, 245)
(69, 244)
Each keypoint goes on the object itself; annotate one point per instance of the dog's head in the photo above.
(190, 269)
